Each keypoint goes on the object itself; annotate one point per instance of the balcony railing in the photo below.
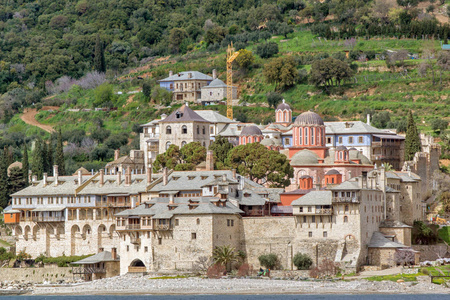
(133, 226)
(324, 211)
(346, 199)
(162, 227)
(119, 204)
(48, 219)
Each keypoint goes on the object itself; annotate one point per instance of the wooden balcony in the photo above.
(48, 219)
(119, 204)
(163, 227)
(345, 199)
(133, 227)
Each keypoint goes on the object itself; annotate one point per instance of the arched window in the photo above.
(168, 130)
(300, 136)
(345, 155)
(284, 117)
(306, 136)
(198, 221)
(204, 145)
(345, 219)
(312, 136)
(340, 155)
(183, 143)
(168, 145)
(184, 129)
(203, 130)
(198, 129)
(346, 208)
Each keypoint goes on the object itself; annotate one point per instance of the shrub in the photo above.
(302, 261)
(216, 271)
(267, 50)
(268, 260)
(244, 270)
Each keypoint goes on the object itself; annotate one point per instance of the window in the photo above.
(325, 234)
(313, 219)
(306, 136)
(198, 221)
(211, 130)
(159, 241)
(145, 249)
(184, 129)
(230, 223)
(300, 136)
(128, 248)
(183, 143)
(345, 219)
(340, 140)
(346, 208)
(301, 208)
(312, 136)
(360, 139)
(309, 209)
(168, 145)
(193, 236)
(304, 219)
(286, 141)
(204, 130)
(168, 130)
(350, 140)
(328, 140)
(310, 234)
(198, 129)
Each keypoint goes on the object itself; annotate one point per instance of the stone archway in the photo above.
(112, 229)
(87, 232)
(35, 232)
(137, 266)
(18, 231)
(100, 231)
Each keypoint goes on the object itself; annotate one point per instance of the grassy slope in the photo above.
(394, 94)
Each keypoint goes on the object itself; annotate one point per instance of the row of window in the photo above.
(324, 234)
(52, 200)
(184, 130)
(350, 140)
(313, 139)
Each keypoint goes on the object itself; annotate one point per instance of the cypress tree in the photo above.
(4, 191)
(50, 159)
(412, 141)
(25, 164)
(59, 155)
(99, 56)
(45, 166)
(38, 161)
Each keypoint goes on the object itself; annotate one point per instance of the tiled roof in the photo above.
(355, 127)
(314, 198)
(97, 258)
(378, 240)
(216, 83)
(195, 75)
(249, 198)
(213, 116)
(183, 114)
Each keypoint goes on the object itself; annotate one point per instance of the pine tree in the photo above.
(59, 155)
(412, 141)
(38, 162)
(25, 164)
(99, 56)
(44, 157)
(4, 191)
(16, 180)
(50, 159)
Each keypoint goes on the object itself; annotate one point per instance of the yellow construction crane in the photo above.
(231, 56)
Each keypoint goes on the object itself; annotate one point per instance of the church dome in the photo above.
(341, 148)
(271, 142)
(355, 154)
(251, 130)
(283, 106)
(333, 172)
(304, 157)
(309, 118)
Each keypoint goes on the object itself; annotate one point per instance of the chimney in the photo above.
(171, 196)
(100, 250)
(149, 174)
(55, 173)
(164, 175)
(80, 177)
(214, 74)
(224, 177)
(368, 119)
(116, 154)
(114, 253)
(34, 178)
(128, 176)
(209, 160)
(170, 73)
(163, 116)
(30, 176)
(119, 177)
(233, 171)
(364, 179)
(318, 185)
(44, 178)
(102, 177)
(189, 75)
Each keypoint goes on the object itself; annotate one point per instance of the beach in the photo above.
(131, 284)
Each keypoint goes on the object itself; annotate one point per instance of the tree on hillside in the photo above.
(16, 180)
(329, 72)
(104, 96)
(273, 98)
(443, 62)
(25, 164)
(50, 159)
(147, 89)
(267, 50)
(220, 147)
(412, 141)
(171, 159)
(261, 164)
(245, 59)
(59, 155)
(38, 161)
(282, 71)
(45, 165)
(439, 125)
(4, 190)
(99, 56)
(176, 37)
(193, 153)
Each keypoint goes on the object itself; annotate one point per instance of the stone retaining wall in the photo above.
(431, 252)
(36, 275)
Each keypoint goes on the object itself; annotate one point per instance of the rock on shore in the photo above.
(129, 284)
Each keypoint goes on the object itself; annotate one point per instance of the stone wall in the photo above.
(36, 275)
(431, 252)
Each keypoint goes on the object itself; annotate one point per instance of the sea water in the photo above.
(239, 297)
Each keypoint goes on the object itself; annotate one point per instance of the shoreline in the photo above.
(129, 285)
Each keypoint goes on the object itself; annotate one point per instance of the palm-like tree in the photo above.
(224, 255)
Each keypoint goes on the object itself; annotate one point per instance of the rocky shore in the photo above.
(129, 284)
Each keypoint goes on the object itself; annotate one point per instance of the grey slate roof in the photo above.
(391, 190)
(97, 258)
(216, 83)
(308, 118)
(186, 115)
(408, 176)
(378, 240)
(314, 198)
(251, 130)
(66, 186)
(251, 199)
(213, 116)
(347, 185)
(184, 76)
(393, 224)
(357, 127)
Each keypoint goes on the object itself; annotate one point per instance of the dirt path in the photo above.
(29, 117)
